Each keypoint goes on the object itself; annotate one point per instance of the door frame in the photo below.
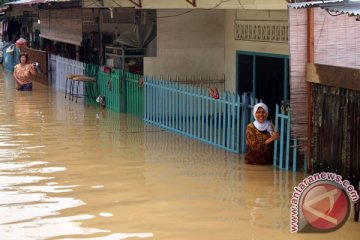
(261, 54)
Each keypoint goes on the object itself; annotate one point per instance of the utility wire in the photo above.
(196, 9)
(241, 5)
(96, 3)
(330, 13)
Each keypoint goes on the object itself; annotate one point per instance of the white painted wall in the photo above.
(231, 45)
(203, 42)
(192, 43)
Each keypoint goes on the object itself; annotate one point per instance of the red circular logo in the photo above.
(326, 206)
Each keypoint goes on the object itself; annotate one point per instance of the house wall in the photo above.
(232, 45)
(203, 43)
(335, 108)
(336, 43)
(122, 21)
(188, 44)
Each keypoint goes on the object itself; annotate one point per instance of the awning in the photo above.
(310, 4)
(4, 9)
(33, 2)
(62, 26)
(351, 8)
(60, 39)
(25, 2)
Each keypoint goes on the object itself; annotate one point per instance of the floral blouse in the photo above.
(257, 151)
(23, 73)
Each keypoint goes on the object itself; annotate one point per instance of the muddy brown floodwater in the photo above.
(72, 171)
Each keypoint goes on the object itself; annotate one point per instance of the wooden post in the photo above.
(77, 53)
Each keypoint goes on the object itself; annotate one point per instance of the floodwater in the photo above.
(72, 171)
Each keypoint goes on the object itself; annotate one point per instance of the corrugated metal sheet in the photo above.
(336, 6)
(351, 10)
(25, 2)
(310, 4)
(33, 2)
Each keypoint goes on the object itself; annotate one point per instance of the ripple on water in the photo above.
(74, 171)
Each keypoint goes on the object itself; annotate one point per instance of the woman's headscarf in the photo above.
(265, 125)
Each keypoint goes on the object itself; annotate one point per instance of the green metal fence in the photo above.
(134, 94)
(121, 89)
(109, 87)
(91, 70)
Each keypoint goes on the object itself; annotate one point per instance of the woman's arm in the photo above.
(32, 69)
(274, 136)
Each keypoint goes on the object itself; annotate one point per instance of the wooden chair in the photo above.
(84, 80)
(69, 77)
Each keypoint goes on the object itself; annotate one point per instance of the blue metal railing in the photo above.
(192, 112)
(285, 144)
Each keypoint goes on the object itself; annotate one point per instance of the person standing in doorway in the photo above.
(23, 73)
(260, 135)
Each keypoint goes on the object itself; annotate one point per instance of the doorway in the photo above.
(264, 76)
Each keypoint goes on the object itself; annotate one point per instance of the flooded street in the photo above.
(73, 171)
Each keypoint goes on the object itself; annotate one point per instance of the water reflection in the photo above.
(30, 210)
(25, 201)
(36, 199)
(75, 171)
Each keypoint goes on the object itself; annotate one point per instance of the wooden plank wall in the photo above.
(335, 140)
(42, 58)
(342, 77)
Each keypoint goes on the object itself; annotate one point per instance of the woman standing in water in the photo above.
(260, 135)
(23, 72)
